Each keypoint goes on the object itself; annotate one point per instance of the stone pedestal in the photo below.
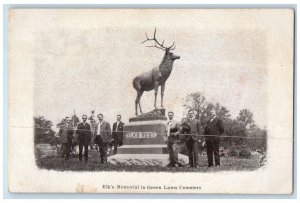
(144, 137)
(144, 143)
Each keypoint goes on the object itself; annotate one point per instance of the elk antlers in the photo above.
(157, 44)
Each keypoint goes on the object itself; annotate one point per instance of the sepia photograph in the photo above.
(151, 100)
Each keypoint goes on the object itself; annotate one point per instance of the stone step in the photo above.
(143, 149)
(145, 159)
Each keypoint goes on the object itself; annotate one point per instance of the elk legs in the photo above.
(137, 102)
(156, 85)
(162, 91)
(140, 108)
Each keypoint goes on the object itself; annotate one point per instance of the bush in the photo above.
(233, 151)
(239, 151)
(245, 153)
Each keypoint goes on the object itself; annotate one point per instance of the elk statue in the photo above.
(157, 76)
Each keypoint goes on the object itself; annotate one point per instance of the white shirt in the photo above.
(118, 122)
(99, 126)
(170, 124)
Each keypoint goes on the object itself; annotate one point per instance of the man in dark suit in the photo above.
(103, 137)
(193, 139)
(117, 134)
(84, 137)
(215, 129)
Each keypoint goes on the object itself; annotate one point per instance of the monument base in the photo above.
(143, 149)
(145, 159)
(144, 142)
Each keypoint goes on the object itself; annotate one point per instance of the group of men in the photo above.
(103, 136)
(189, 130)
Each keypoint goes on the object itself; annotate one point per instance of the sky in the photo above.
(86, 60)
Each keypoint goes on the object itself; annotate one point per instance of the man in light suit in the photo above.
(215, 129)
(84, 138)
(103, 137)
(193, 139)
(172, 131)
(117, 134)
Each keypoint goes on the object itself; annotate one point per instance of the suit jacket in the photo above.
(105, 132)
(117, 135)
(195, 126)
(214, 127)
(65, 133)
(84, 133)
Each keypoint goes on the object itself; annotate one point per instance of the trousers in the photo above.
(65, 150)
(212, 148)
(173, 149)
(192, 147)
(102, 149)
(115, 145)
(86, 152)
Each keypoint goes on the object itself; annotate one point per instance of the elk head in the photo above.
(168, 54)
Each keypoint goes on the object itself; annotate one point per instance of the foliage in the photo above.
(242, 151)
(258, 138)
(222, 112)
(246, 117)
(43, 132)
(233, 152)
(237, 130)
(245, 153)
(197, 102)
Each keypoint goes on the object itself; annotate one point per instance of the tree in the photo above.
(43, 132)
(246, 117)
(258, 138)
(197, 102)
(205, 115)
(238, 129)
(222, 112)
(235, 128)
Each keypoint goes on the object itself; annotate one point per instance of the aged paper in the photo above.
(67, 60)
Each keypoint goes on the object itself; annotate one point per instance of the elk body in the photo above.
(157, 76)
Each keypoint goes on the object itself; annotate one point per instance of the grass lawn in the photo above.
(227, 164)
